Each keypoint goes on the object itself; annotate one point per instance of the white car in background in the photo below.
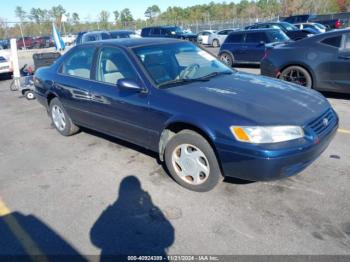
(69, 39)
(203, 37)
(5, 62)
(316, 26)
(218, 38)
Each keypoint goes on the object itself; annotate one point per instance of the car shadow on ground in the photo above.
(132, 225)
(336, 95)
(28, 238)
(230, 180)
(246, 66)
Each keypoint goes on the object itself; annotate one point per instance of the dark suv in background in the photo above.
(168, 31)
(249, 46)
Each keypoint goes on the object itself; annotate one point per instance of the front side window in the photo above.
(113, 65)
(179, 63)
(256, 37)
(79, 62)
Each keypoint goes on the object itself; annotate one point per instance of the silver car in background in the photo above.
(218, 38)
(203, 37)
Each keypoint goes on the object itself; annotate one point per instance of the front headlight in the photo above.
(266, 134)
(309, 35)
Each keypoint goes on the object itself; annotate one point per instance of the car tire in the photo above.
(191, 161)
(216, 43)
(291, 73)
(29, 95)
(227, 58)
(61, 120)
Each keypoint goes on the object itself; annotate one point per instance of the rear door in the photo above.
(254, 46)
(235, 44)
(73, 82)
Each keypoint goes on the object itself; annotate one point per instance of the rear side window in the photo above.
(79, 62)
(145, 32)
(155, 31)
(256, 37)
(105, 36)
(333, 41)
(235, 38)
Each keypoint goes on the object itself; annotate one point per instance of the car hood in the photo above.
(260, 100)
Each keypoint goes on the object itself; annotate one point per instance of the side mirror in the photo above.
(131, 85)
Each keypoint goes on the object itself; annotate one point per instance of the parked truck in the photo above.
(330, 24)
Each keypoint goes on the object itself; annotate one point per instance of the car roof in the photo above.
(322, 36)
(134, 42)
(96, 32)
(121, 31)
(256, 30)
(160, 26)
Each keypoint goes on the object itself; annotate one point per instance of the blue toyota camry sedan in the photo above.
(204, 119)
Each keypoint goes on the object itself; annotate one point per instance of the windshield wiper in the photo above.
(213, 74)
(181, 81)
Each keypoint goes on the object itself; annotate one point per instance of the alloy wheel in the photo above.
(58, 117)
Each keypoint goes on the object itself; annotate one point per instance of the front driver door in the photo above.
(121, 113)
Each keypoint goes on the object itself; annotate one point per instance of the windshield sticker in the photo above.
(206, 56)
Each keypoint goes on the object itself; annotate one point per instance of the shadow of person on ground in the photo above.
(132, 225)
(28, 237)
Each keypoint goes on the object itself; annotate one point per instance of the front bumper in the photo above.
(268, 69)
(271, 164)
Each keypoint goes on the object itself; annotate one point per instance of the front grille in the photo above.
(323, 123)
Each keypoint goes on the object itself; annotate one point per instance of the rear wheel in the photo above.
(216, 43)
(297, 75)
(227, 58)
(192, 162)
(61, 120)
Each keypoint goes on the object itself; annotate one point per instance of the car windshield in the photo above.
(288, 26)
(278, 36)
(179, 63)
(176, 29)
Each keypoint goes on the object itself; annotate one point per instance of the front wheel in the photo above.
(192, 162)
(61, 120)
(297, 75)
(29, 95)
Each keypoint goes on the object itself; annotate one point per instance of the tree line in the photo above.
(37, 21)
